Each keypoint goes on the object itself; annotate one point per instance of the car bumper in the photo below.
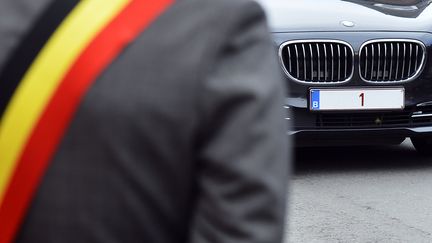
(327, 129)
(332, 137)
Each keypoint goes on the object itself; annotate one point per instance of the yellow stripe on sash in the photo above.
(43, 77)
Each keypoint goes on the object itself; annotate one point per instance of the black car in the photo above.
(359, 71)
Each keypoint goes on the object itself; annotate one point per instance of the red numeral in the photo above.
(362, 97)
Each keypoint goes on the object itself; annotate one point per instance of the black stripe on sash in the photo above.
(27, 50)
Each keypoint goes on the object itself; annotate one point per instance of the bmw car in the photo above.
(359, 71)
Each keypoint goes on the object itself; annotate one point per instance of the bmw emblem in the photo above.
(347, 23)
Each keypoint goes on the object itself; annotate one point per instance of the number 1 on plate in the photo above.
(362, 98)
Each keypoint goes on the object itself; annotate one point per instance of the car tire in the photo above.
(423, 145)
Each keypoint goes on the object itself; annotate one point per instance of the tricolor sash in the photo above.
(43, 84)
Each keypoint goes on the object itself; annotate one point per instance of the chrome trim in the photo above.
(385, 62)
(319, 62)
(373, 56)
(339, 61)
(396, 7)
(323, 41)
(332, 56)
(304, 62)
(312, 70)
(428, 103)
(325, 62)
(289, 60)
(366, 62)
(379, 61)
(421, 115)
(346, 60)
(410, 59)
(391, 61)
(397, 61)
(297, 60)
(403, 60)
(417, 73)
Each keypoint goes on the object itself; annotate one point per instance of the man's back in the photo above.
(180, 138)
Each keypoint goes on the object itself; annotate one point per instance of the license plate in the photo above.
(357, 99)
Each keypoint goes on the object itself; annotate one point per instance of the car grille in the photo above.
(410, 118)
(317, 61)
(391, 60)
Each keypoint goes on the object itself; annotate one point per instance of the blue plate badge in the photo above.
(315, 99)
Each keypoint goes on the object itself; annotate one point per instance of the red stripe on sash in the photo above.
(49, 131)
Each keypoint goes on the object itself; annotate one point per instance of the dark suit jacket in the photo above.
(182, 139)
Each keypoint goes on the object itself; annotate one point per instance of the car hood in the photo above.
(367, 15)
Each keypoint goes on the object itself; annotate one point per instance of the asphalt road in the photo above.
(361, 194)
